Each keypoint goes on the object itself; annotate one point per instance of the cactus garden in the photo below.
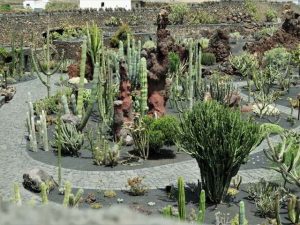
(199, 128)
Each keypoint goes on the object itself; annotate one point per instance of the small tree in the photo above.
(220, 140)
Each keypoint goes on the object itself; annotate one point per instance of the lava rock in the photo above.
(32, 180)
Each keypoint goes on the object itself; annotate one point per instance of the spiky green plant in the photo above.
(44, 194)
(202, 207)
(212, 143)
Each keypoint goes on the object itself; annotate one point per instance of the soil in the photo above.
(162, 198)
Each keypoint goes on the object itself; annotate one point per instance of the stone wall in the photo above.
(35, 24)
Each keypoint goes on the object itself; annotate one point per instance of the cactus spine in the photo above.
(242, 217)
(17, 195)
(144, 87)
(81, 82)
(47, 72)
(181, 199)
(44, 194)
(202, 207)
(64, 102)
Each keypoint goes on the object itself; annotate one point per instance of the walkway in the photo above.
(15, 160)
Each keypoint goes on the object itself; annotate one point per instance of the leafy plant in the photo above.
(202, 17)
(212, 143)
(178, 12)
(251, 8)
(120, 35)
(174, 62)
(271, 15)
(265, 32)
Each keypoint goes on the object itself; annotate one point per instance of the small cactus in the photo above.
(181, 199)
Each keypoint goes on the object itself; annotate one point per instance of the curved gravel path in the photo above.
(15, 160)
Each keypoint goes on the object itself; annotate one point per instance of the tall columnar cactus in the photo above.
(121, 49)
(31, 125)
(40, 70)
(144, 87)
(73, 104)
(44, 193)
(181, 199)
(81, 82)
(242, 217)
(190, 87)
(202, 207)
(59, 147)
(68, 192)
(42, 124)
(17, 196)
(64, 102)
(277, 209)
(92, 99)
(21, 57)
(94, 42)
(293, 207)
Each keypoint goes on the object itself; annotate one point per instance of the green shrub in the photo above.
(149, 45)
(278, 57)
(5, 8)
(120, 35)
(208, 59)
(174, 62)
(162, 131)
(156, 140)
(113, 21)
(271, 15)
(265, 32)
(220, 140)
(178, 12)
(57, 6)
(202, 17)
(49, 105)
(251, 8)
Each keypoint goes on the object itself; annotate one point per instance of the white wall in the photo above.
(35, 4)
(85, 4)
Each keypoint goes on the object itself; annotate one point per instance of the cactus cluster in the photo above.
(71, 200)
(30, 122)
(41, 125)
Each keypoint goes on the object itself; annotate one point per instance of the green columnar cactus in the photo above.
(167, 211)
(44, 131)
(190, 87)
(78, 196)
(202, 207)
(17, 196)
(121, 50)
(92, 99)
(277, 209)
(134, 66)
(73, 103)
(144, 87)
(181, 199)
(297, 211)
(47, 72)
(68, 192)
(94, 42)
(64, 102)
(13, 54)
(81, 82)
(44, 194)
(59, 146)
(242, 217)
(31, 126)
(291, 206)
(21, 58)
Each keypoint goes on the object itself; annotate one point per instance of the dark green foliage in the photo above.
(50, 105)
(174, 62)
(208, 59)
(5, 8)
(162, 131)
(220, 140)
(120, 35)
(271, 15)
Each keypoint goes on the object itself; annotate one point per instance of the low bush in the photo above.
(120, 35)
(202, 17)
(178, 12)
(57, 6)
(271, 15)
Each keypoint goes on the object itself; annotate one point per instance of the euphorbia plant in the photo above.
(220, 140)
